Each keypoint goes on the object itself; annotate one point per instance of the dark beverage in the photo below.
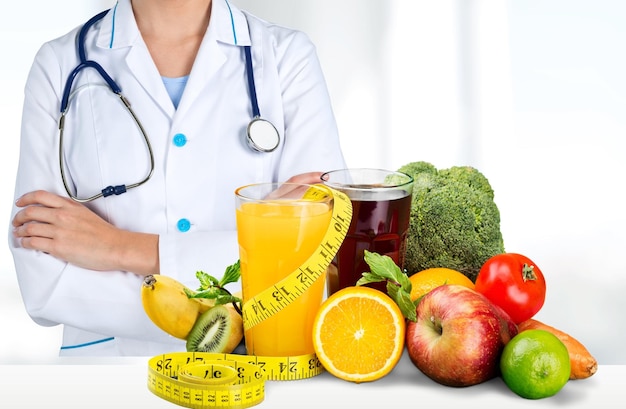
(378, 226)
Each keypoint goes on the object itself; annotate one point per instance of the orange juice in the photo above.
(275, 238)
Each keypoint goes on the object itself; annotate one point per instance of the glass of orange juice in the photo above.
(278, 230)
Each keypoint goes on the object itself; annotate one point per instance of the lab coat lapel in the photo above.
(207, 63)
(228, 28)
(141, 65)
(119, 30)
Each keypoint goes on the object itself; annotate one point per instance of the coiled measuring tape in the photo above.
(205, 380)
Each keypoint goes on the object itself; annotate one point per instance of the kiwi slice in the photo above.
(211, 331)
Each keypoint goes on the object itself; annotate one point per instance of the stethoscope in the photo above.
(261, 134)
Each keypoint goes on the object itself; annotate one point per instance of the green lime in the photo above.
(535, 364)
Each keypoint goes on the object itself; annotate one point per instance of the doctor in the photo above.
(182, 67)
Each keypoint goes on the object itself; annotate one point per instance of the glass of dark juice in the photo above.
(381, 203)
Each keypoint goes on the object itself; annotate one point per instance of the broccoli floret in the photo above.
(455, 222)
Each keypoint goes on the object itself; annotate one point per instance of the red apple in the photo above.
(458, 337)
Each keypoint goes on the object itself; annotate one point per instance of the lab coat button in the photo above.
(183, 225)
(179, 140)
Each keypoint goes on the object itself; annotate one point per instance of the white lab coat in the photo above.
(195, 182)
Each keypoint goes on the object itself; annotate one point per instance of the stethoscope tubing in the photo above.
(109, 190)
(116, 89)
(267, 139)
(256, 113)
(82, 65)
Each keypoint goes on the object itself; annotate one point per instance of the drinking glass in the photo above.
(381, 206)
(277, 231)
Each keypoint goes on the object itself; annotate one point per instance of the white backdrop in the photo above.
(530, 92)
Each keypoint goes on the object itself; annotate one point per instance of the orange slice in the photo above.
(358, 334)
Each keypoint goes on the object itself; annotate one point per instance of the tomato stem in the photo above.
(528, 273)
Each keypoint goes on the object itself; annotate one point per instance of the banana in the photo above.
(167, 305)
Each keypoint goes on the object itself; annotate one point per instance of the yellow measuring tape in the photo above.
(275, 298)
(204, 380)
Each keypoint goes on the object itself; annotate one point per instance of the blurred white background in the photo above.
(532, 93)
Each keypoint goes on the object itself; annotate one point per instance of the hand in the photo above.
(286, 190)
(310, 178)
(71, 232)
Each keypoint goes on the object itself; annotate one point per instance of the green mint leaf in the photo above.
(403, 299)
(211, 287)
(231, 275)
(367, 278)
(386, 269)
(227, 299)
(212, 293)
(383, 268)
(206, 281)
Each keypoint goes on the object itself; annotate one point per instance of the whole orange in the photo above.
(424, 281)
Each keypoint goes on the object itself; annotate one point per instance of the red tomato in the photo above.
(514, 283)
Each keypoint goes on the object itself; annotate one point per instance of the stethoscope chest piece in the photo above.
(262, 136)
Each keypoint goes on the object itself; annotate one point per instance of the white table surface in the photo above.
(122, 382)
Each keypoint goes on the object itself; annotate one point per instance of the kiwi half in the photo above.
(211, 332)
